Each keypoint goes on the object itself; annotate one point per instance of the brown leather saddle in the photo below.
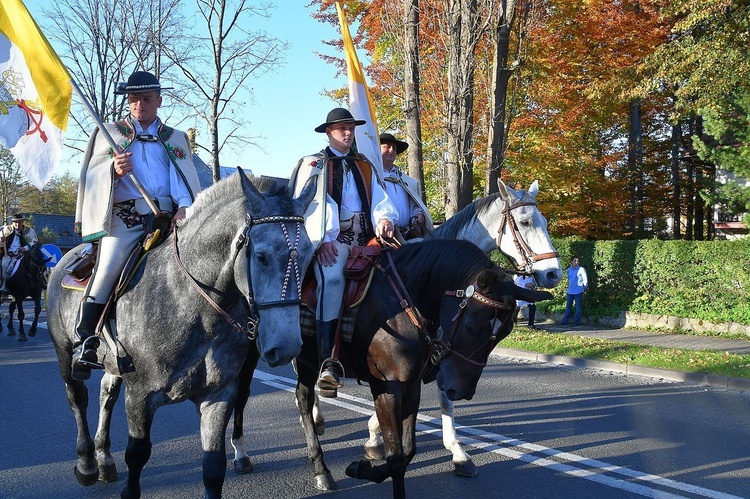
(358, 272)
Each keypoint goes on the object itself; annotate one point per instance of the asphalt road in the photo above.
(534, 429)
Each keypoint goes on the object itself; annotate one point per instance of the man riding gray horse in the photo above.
(16, 239)
(112, 210)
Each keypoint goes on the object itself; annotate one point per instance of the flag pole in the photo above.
(114, 145)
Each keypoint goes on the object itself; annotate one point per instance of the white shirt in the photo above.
(153, 168)
(382, 206)
(522, 281)
(400, 198)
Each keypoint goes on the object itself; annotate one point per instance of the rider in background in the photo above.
(112, 210)
(413, 216)
(16, 239)
(350, 208)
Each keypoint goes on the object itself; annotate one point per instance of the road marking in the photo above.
(538, 455)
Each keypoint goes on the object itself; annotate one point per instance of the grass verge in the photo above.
(696, 361)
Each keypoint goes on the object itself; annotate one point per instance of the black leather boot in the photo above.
(331, 371)
(85, 357)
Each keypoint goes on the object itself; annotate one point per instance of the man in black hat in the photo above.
(16, 239)
(350, 208)
(413, 217)
(112, 210)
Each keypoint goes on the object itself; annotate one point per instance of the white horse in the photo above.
(510, 221)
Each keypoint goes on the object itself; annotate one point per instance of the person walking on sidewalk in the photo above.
(578, 283)
(526, 281)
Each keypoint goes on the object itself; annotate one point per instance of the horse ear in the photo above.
(248, 188)
(534, 189)
(503, 189)
(308, 192)
(486, 280)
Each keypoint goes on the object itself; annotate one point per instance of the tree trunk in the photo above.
(496, 137)
(635, 169)
(460, 155)
(675, 166)
(411, 93)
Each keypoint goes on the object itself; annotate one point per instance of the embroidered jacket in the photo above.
(97, 182)
(411, 187)
(28, 237)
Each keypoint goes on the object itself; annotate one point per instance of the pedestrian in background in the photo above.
(578, 283)
(526, 281)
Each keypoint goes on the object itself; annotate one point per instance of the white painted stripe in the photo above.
(505, 446)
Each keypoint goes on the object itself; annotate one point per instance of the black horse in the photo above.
(26, 281)
(434, 302)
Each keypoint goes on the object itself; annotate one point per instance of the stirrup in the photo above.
(327, 384)
(85, 347)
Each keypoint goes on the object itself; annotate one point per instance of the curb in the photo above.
(727, 382)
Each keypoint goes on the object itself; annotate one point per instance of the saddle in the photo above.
(358, 272)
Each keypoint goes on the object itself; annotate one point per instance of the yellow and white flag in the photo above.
(360, 105)
(35, 94)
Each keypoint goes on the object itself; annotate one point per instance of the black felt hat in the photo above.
(338, 115)
(17, 218)
(387, 138)
(138, 82)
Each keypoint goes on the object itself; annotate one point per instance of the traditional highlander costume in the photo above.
(113, 211)
(15, 241)
(349, 203)
(404, 192)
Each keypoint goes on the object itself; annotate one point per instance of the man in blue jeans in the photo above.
(578, 282)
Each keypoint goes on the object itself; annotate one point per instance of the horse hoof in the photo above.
(466, 469)
(11, 332)
(108, 473)
(320, 427)
(325, 482)
(374, 453)
(243, 465)
(86, 480)
(22, 337)
(32, 332)
(356, 469)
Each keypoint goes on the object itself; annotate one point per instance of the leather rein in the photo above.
(528, 255)
(440, 348)
(253, 319)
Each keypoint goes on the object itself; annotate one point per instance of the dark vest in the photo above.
(361, 170)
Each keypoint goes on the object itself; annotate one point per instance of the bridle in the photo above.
(439, 347)
(253, 318)
(528, 255)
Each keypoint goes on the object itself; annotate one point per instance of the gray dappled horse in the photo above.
(237, 257)
(26, 281)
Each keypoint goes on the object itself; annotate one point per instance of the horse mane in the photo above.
(451, 227)
(441, 259)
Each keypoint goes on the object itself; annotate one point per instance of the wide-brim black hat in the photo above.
(17, 218)
(139, 82)
(387, 138)
(338, 115)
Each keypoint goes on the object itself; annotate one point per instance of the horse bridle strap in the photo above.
(403, 298)
(521, 245)
(470, 293)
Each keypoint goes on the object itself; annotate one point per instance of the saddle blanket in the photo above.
(307, 323)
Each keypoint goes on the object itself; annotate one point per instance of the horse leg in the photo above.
(11, 311)
(462, 463)
(214, 420)
(387, 409)
(85, 470)
(21, 317)
(307, 374)
(109, 391)
(242, 463)
(37, 311)
(318, 418)
(140, 415)
(374, 444)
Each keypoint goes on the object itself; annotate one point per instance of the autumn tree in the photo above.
(12, 183)
(57, 198)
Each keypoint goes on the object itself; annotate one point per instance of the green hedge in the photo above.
(708, 280)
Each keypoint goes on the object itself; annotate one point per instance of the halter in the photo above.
(440, 349)
(470, 293)
(528, 255)
(253, 319)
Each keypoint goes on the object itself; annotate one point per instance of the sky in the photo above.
(288, 103)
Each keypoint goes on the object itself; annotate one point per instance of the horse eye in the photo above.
(526, 223)
(261, 257)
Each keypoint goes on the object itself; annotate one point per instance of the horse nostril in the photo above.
(552, 275)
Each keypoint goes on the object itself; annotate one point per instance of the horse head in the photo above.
(523, 236)
(483, 318)
(277, 252)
